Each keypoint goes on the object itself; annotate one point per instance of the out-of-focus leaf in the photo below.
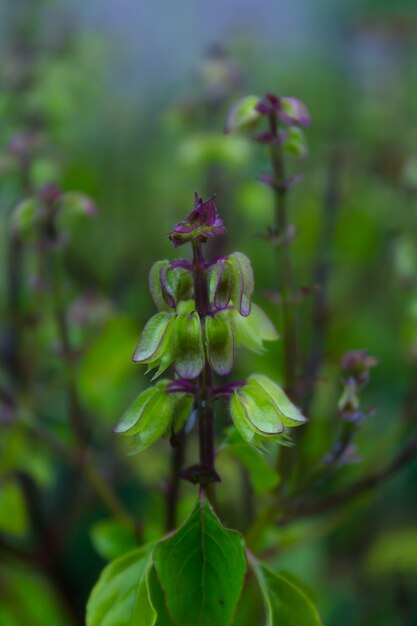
(105, 373)
(112, 538)
(285, 603)
(26, 599)
(201, 569)
(13, 514)
(261, 475)
(120, 597)
(243, 114)
(394, 552)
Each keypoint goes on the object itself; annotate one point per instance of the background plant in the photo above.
(354, 215)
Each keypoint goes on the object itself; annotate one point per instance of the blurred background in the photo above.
(126, 102)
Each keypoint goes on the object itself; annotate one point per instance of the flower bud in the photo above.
(251, 332)
(261, 410)
(148, 418)
(221, 284)
(219, 342)
(243, 282)
(188, 345)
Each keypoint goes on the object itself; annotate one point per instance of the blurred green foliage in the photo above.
(141, 158)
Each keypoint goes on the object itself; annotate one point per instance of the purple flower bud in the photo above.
(357, 364)
(50, 193)
(202, 223)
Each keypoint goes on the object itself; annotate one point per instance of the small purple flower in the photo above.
(202, 223)
(290, 111)
(357, 364)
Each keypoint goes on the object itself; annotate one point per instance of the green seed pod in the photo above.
(241, 421)
(132, 415)
(148, 418)
(221, 284)
(219, 342)
(154, 339)
(260, 410)
(290, 415)
(251, 332)
(243, 282)
(188, 345)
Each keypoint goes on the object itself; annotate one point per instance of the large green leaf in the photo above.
(285, 603)
(201, 569)
(120, 597)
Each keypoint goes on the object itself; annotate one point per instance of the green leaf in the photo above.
(219, 341)
(285, 603)
(394, 552)
(188, 345)
(157, 598)
(201, 569)
(243, 114)
(13, 514)
(112, 538)
(243, 283)
(120, 597)
(295, 142)
(261, 475)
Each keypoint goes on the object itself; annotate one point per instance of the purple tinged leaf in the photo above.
(221, 284)
(152, 338)
(293, 111)
(219, 342)
(267, 179)
(188, 346)
(243, 283)
(265, 138)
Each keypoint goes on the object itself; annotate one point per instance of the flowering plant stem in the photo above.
(204, 397)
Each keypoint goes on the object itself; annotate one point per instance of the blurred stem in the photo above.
(204, 399)
(320, 315)
(284, 269)
(86, 460)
